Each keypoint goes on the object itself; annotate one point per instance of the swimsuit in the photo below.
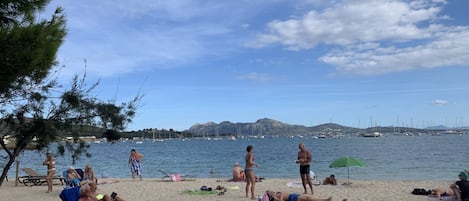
(304, 169)
(247, 170)
(52, 165)
(293, 197)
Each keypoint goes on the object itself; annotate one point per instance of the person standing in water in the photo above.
(135, 164)
(304, 159)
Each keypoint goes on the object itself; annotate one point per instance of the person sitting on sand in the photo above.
(89, 174)
(330, 180)
(238, 174)
(281, 196)
(461, 187)
(438, 192)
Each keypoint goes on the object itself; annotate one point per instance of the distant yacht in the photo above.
(452, 132)
(372, 134)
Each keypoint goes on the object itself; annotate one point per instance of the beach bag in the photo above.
(420, 191)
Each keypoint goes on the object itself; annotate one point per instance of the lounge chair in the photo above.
(176, 177)
(35, 179)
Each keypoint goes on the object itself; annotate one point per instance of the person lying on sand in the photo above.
(438, 192)
(281, 196)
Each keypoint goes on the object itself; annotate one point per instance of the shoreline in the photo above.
(156, 189)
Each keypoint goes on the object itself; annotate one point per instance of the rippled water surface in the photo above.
(391, 157)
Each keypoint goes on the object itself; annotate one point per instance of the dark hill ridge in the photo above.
(269, 127)
(263, 126)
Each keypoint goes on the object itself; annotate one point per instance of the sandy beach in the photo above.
(156, 189)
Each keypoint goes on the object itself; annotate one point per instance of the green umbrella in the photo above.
(347, 162)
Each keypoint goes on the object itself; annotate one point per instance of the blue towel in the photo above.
(70, 194)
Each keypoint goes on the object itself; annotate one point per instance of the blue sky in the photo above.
(357, 63)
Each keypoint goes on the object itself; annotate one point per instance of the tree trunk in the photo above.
(6, 168)
(11, 156)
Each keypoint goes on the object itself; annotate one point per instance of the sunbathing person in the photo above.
(104, 197)
(438, 192)
(85, 194)
(330, 180)
(73, 176)
(238, 174)
(89, 174)
(281, 196)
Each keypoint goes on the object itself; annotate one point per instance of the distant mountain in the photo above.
(439, 127)
(263, 126)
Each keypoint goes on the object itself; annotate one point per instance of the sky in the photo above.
(357, 63)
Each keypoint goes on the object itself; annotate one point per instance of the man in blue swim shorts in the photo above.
(281, 196)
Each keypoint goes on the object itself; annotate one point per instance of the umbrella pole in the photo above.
(348, 175)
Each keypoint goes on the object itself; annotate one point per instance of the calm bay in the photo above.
(390, 157)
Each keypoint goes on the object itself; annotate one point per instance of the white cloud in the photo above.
(440, 102)
(351, 22)
(375, 37)
(449, 48)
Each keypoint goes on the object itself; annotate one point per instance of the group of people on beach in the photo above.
(304, 159)
(458, 190)
(87, 181)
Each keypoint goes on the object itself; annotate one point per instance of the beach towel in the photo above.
(445, 197)
(294, 184)
(70, 194)
(234, 188)
(200, 192)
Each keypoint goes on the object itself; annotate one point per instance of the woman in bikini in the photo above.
(50, 162)
(281, 196)
(249, 172)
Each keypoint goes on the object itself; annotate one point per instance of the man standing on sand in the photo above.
(304, 158)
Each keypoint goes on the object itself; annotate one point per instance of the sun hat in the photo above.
(463, 175)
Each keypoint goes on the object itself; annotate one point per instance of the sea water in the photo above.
(389, 157)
